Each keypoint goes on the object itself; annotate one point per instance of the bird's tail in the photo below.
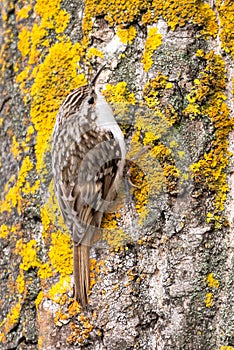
(81, 272)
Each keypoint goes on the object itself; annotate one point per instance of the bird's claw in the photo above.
(130, 181)
(139, 154)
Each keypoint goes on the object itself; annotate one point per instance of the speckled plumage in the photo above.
(88, 155)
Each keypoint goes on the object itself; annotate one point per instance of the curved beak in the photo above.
(94, 80)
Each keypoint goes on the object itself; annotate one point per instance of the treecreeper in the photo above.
(88, 157)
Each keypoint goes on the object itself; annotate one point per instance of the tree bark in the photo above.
(162, 275)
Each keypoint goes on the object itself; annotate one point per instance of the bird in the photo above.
(88, 158)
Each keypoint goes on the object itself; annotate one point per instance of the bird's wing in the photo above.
(85, 182)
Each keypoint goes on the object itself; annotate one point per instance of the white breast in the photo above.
(106, 120)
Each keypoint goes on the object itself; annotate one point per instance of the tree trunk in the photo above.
(162, 274)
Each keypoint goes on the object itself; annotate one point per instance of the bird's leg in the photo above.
(141, 152)
(130, 161)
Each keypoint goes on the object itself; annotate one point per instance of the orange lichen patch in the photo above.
(28, 189)
(209, 300)
(45, 271)
(119, 97)
(166, 174)
(119, 12)
(45, 218)
(31, 40)
(60, 316)
(80, 332)
(20, 282)
(109, 221)
(93, 52)
(139, 176)
(11, 319)
(159, 172)
(13, 197)
(66, 313)
(6, 230)
(142, 200)
(154, 94)
(18, 148)
(60, 253)
(176, 14)
(56, 77)
(73, 308)
(115, 237)
(24, 45)
(209, 96)
(39, 299)
(179, 14)
(15, 148)
(60, 288)
(226, 10)
(93, 265)
(127, 35)
(211, 281)
(50, 215)
(153, 41)
(52, 15)
(23, 13)
(29, 253)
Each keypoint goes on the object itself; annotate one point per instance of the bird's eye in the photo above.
(91, 100)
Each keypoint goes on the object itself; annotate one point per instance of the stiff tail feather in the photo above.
(81, 272)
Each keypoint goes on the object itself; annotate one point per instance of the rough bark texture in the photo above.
(163, 276)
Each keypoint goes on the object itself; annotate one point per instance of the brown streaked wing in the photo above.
(86, 184)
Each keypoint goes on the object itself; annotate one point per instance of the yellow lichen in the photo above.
(24, 42)
(45, 271)
(179, 14)
(49, 69)
(153, 41)
(119, 97)
(28, 189)
(225, 10)
(95, 269)
(153, 93)
(39, 299)
(13, 197)
(28, 252)
(211, 281)
(11, 318)
(60, 253)
(20, 282)
(80, 332)
(115, 237)
(209, 300)
(93, 52)
(23, 12)
(15, 148)
(121, 12)
(50, 216)
(60, 65)
(4, 231)
(209, 98)
(156, 170)
(53, 16)
(61, 287)
(127, 35)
